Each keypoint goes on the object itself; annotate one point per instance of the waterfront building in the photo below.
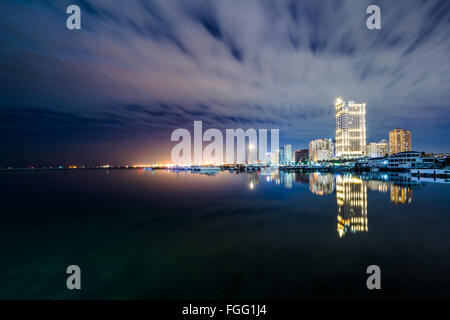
(301, 155)
(350, 129)
(371, 150)
(281, 155)
(377, 149)
(383, 148)
(287, 153)
(399, 141)
(275, 157)
(321, 149)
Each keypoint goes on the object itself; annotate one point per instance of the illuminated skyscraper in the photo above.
(287, 153)
(281, 155)
(399, 141)
(350, 129)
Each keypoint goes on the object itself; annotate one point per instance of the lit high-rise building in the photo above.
(281, 155)
(287, 153)
(275, 157)
(350, 129)
(321, 149)
(399, 141)
(377, 149)
(383, 148)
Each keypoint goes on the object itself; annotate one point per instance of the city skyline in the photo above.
(113, 91)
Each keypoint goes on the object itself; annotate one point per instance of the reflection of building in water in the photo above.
(275, 176)
(301, 177)
(288, 178)
(253, 180)
(351, 194)
(401, 194)
(321, 184)
(376, 185)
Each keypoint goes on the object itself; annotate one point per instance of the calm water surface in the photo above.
(273, 235)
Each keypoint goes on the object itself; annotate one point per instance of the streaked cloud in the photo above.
(162, 64)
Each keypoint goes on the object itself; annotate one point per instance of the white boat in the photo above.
(431, 172)
(208, 170)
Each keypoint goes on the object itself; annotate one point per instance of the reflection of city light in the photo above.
(400, 194)
(321, 184)
(351, 196)
(253, 180)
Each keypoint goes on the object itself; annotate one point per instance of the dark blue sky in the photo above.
(114, 91)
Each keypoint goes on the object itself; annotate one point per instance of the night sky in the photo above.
(114, 91)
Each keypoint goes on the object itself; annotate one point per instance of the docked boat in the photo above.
(207, 170)
(430, 172)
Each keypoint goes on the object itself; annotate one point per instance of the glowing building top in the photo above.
(350, 129)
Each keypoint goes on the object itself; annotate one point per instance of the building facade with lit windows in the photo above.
(275, 157)
(287, 153)
(377, 149)
(350, 129)
(399, 141)
(321, 149)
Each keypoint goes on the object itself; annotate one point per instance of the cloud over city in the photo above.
(151, 66)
